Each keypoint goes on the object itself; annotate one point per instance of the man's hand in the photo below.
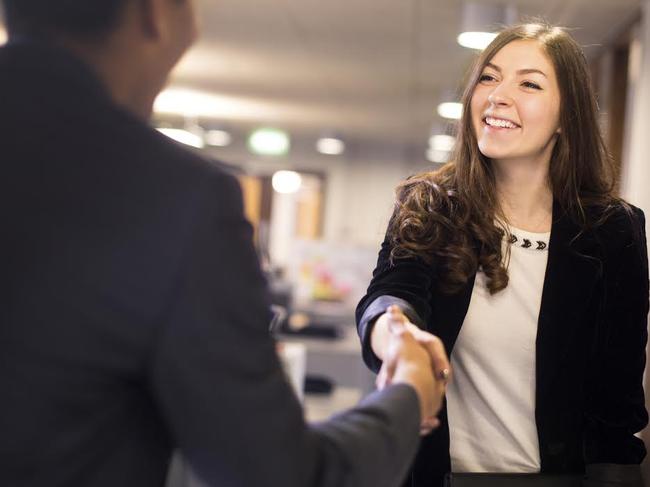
(413, 356)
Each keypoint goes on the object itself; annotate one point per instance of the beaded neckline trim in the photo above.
(527, 243)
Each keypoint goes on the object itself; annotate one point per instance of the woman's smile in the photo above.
(498, 124)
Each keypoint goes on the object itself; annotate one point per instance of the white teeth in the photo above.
(497, 122)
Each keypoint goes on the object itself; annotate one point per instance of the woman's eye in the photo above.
(530, 84)
(486, 77)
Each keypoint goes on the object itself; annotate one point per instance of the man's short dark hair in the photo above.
(82, 19)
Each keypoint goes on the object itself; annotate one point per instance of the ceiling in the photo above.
(371, 70)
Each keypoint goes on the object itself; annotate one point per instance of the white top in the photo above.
(491, 399)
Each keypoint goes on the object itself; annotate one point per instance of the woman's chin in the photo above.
(492, 152)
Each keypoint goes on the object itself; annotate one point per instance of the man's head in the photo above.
(87, 20)
(132, 44)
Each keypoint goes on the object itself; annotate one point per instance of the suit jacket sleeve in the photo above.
(616, 411)
(405, 282)
(215, 375)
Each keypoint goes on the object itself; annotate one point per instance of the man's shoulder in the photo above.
(146, 143)
(184, 165)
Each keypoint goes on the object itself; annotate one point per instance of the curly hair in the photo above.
(452, 216)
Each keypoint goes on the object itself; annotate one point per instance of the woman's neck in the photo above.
(524, 193)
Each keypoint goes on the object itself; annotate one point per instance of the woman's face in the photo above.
(515, 106)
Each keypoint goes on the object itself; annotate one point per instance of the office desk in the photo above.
(339, 360)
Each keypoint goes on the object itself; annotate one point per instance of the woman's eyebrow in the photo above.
(531, 70)
(521, 71)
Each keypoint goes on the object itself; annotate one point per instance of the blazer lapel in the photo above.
(571, 274)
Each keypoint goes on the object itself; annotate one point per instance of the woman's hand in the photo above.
(394, 323)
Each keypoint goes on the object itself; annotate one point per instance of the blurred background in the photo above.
(321, 107)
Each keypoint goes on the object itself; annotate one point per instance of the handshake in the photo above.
(412, 356)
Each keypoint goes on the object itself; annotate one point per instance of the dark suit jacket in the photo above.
(134, 316)
(591, 338)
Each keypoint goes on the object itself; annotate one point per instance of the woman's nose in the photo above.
(498, 97)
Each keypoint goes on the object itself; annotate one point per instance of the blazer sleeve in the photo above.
(616, 411)
(216, 379)
(406, 282)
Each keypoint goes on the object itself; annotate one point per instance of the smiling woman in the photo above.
(534, 274)
(536, 78)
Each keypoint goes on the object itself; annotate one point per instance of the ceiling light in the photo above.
(184, 137)
(195, 103)
(330, 146)
(269, 142)
(450, 110)
(186, 102)
(438, 156)
(442, 142)
(286, 182)
(476, 40)
(3, 35)
(218, 138)
(480, 20)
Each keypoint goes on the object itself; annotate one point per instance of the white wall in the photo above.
(361, 197)
(636, 158)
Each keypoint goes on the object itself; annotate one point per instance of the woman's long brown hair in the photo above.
(451, 216)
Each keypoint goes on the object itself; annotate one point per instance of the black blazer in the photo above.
(590, 347)
(134, 316)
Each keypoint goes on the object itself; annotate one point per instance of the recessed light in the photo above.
(442, 142)
(286, 182)
(451, 110)
(476, 40)
(330, 146)
(438, 156)
(217, 138)
(269, 142)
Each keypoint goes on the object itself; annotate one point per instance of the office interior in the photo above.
(321, 108)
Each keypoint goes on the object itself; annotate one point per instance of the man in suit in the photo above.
(134, 315)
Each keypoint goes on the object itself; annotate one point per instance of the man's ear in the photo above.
(151, 14)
